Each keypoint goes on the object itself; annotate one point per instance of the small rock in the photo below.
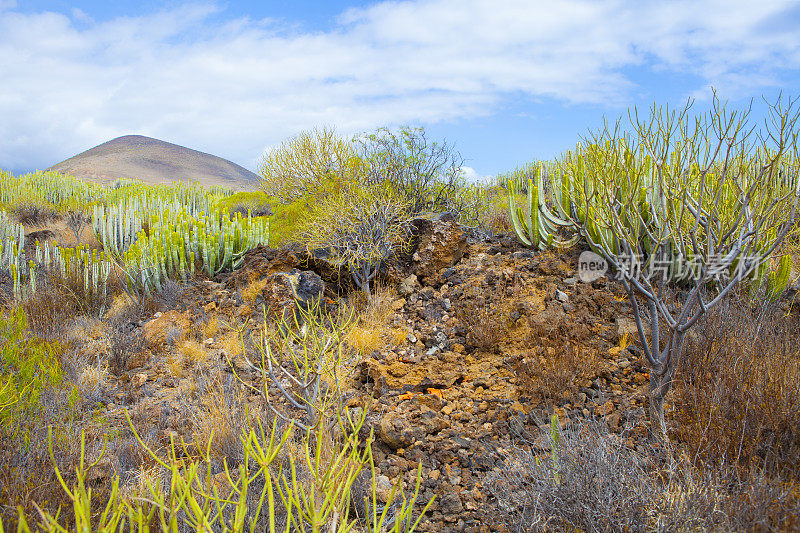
(406, 287)
(450, 504)
(561, 296)
(396, 431)
(626, 326)
(383, 488)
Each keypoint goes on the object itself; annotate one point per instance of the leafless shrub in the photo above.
(550, 372)
(361, 229)
(172, 296)
(740, 387)
(591, 482)
(486, 325)
(126, 339)
(76, 221)
(34, 214)
(585, 478)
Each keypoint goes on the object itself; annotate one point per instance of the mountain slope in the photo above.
(154, 161)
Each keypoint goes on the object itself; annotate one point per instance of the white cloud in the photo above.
(233, 87)
(80, 15)
(472, 176)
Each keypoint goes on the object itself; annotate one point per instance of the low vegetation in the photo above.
(180, 290)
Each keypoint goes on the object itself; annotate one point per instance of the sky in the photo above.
(505, 82)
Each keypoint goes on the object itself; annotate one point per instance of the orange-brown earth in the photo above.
(487, 339)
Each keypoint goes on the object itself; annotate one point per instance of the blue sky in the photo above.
(505, 81)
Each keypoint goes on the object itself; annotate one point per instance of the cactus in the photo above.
(536, 227)
(778, 280)
(218, 241)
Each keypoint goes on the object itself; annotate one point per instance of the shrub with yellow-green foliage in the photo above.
(255, 203)
(311, 164)
(29, 366)
(423, 175)
(34, 394)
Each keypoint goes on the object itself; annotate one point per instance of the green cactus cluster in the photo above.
(12, 257)
(49, 189)
(26, 265)
(597, 187)
(91, 265)
(151, 232)
(178, 248)
(538, 226)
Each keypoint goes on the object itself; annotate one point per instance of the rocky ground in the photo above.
(494, 339)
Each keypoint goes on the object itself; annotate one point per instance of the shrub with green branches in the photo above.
(702, 202)
(257, 494)
(27, 367)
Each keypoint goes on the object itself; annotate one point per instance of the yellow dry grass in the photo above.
(231, 343)
(211, 328)
(253, 291)
(372, 330)
(192, 352)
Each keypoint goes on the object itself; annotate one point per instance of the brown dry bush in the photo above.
(587, 479)
(486, 325)
(738, 391)
(59, 299)
(549, 372)
(32, 213)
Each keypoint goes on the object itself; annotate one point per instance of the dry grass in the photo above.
(548, 373)
(211, 328)
(592, 481)
(738, 389)
(496, 218)
(192, 352)
(373, 330)
(231, 342)
(252, 291)
(222, 416)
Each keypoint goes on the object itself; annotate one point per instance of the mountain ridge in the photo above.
(154, 161)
